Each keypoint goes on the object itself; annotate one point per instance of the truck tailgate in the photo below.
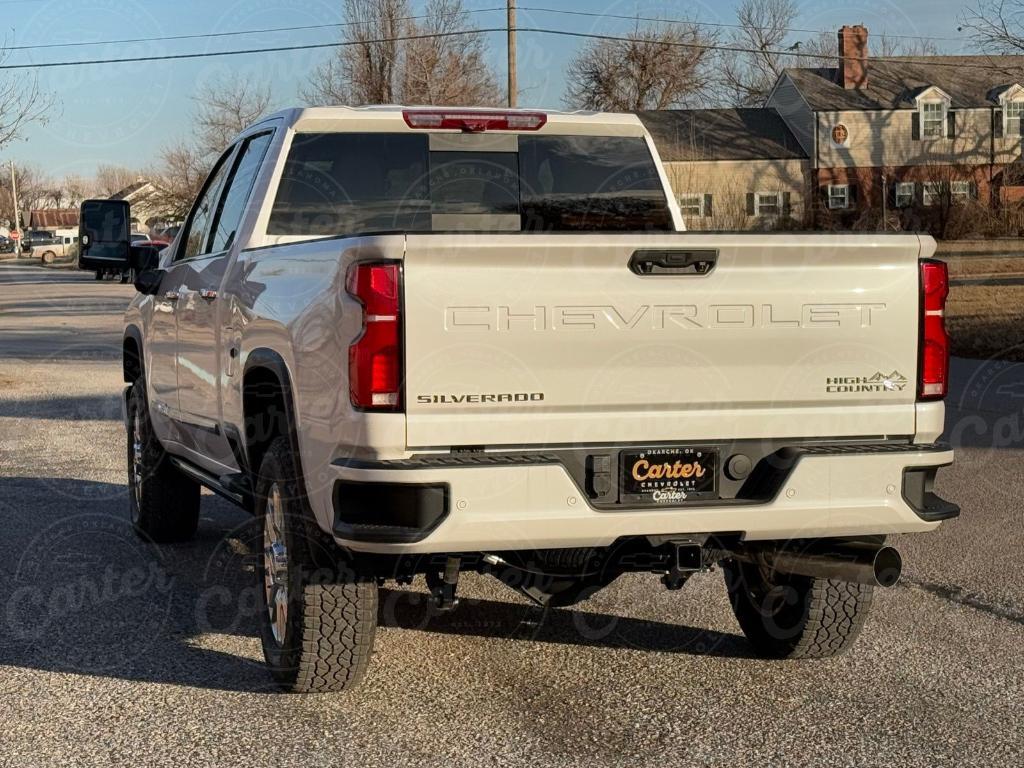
(535, 339)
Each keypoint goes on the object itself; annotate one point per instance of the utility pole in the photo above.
(512, 85)
(14, 199)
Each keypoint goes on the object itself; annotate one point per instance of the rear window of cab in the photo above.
(350, 183)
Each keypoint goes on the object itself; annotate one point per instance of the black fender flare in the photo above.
(270, 360)
(132, 332)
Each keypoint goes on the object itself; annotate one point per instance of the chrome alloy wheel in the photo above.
(136, 464)
(275, 564)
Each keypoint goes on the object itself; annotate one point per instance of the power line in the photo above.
(432, 35)
(233, 33)
(593, 14)
(245, 51)
(341, 24)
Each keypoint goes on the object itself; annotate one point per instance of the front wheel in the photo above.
(795, 617)
(164, 503)
(319, 616)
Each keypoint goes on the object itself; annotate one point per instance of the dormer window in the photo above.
(1011, 103)
(933, 119)
(1012, 112)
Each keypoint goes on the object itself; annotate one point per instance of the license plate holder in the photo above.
(668, 476)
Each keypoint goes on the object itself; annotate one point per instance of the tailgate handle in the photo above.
(672, 262)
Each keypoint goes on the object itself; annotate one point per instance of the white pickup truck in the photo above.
(432, 341)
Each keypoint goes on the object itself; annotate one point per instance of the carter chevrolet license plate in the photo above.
(668, 475)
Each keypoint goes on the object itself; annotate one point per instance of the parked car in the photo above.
(35, 237)
(7, 245)
(56, 248)
(425, 341)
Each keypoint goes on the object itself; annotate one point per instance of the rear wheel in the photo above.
(98, 275)
(796, 617)
(319, 618)
(49, 257)
(164, 503)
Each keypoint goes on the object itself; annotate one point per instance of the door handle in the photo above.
(207, 293)
(171, 296)
(673, 262)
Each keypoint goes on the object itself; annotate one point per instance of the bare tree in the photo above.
(365, 69)
(657, 67)
(225, 108)
(111, 179)
(389, 57)
(748, 75)
(176, 181)
(996, 26)
(22, 103)
(449, 68)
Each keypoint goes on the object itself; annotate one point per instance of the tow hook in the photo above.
(688, 560)
(442, 586)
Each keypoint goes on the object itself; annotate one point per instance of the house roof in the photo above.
(53, 218)
(970, 81)
(721, 134)
(130, 190)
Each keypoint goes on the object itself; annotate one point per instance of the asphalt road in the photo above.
(114, 652)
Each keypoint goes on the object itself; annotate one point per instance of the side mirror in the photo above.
(144, 257)
(148, 281)
(104, 235)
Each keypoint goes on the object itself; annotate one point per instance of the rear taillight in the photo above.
(934, 368)
(375, 357)
(474, 120)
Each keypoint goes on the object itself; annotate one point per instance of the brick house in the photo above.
(731, 168)
(914, 136)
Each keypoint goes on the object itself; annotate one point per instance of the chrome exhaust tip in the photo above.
(873, 564)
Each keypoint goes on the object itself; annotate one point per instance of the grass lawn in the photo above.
(986, 320)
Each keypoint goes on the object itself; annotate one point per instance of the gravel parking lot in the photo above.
(112, 651)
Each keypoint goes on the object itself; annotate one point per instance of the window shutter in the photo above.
(785, 204)
(919, 193)
(997, 123)
(707, 206)
(852, 199)
(915, 126)
(950, 124)
(890, 195)
(750, 203)
(974, 191)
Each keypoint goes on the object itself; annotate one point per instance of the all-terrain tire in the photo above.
(324, 640)
(796, 617)
(164, 503)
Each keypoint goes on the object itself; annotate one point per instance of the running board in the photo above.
(233, 487)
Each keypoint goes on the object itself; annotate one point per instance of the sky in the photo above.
(122, 114)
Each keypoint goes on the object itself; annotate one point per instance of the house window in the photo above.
(904, 194)
(1012, 111)
(961, 192)
(691, 205)
(767, 204)
(933, 119)
(931, 192)
(838, 196)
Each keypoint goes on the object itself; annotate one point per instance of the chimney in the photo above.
(853, 57)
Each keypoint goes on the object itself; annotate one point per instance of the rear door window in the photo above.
(232, 204)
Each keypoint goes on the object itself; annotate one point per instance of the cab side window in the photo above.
(239, 186)
(197, 234)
